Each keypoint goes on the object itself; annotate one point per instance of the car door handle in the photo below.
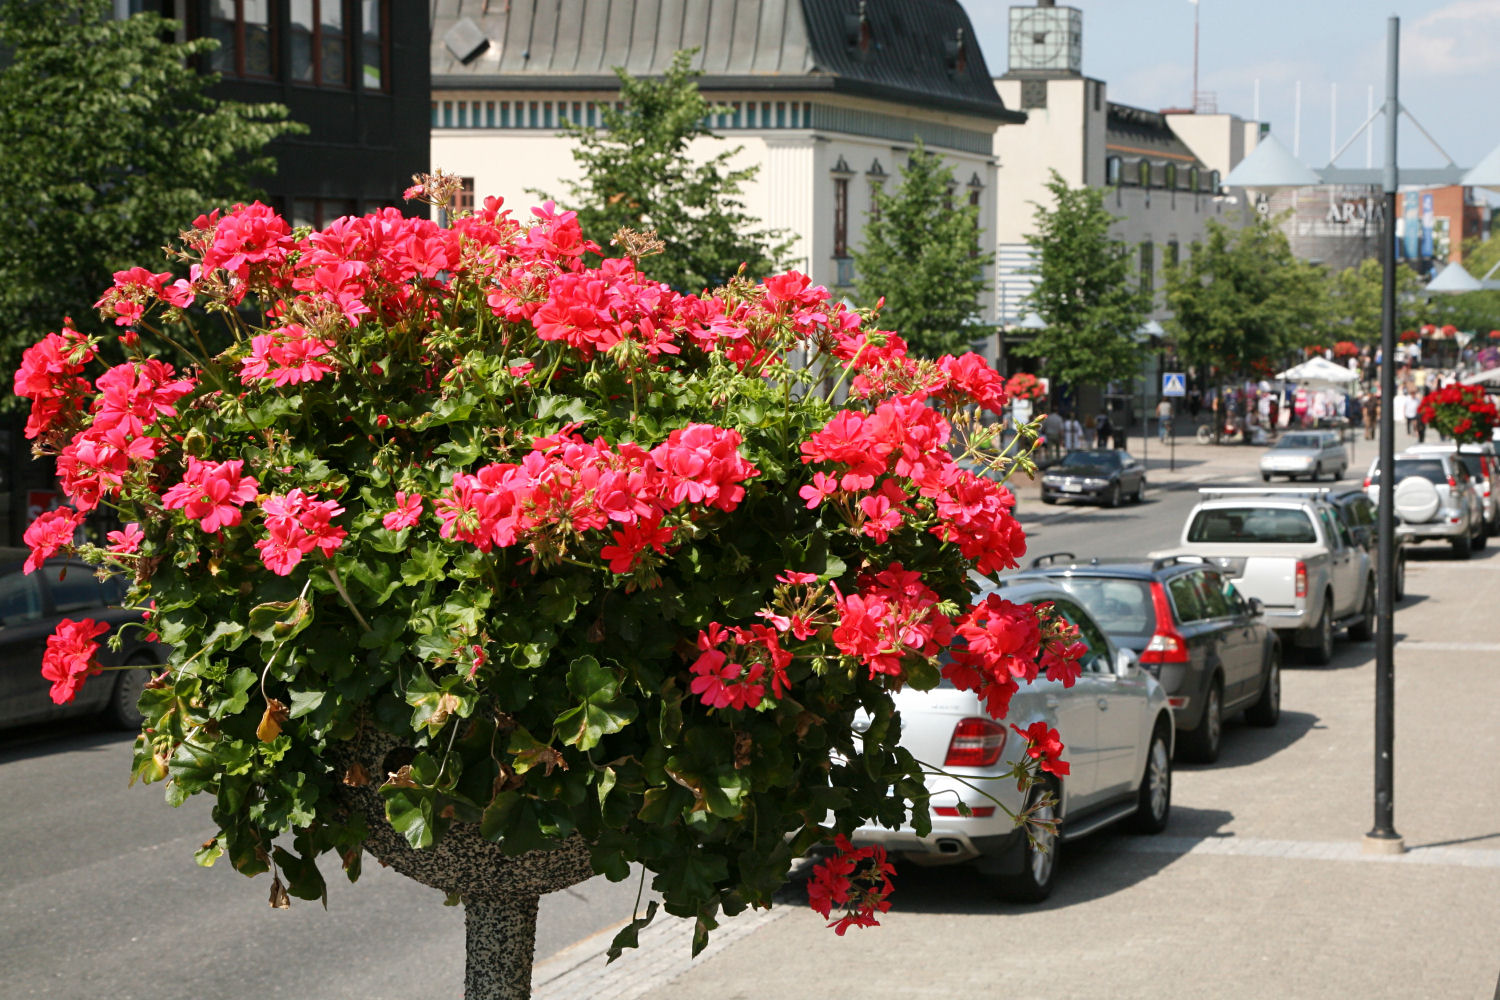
(1104, 704)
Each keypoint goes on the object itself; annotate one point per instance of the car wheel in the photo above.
(1322, 651)
(1363, 631)
(1495, 524)
(1265, 477)
(1317, 475)
(1337, 473)
(1033, 883)
(1113, 500)
(1202, 744)
(1398, 587)
(1048, 500)
(1482, 538)
(1154, 800)
(1463, 547)
(1267, 709)
(1140, 491)
(122, 711)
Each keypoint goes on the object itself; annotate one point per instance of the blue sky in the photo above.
(1450, 64)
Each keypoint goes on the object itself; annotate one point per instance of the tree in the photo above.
(1243, 298)
(637, 174)
(1086, 290)
(108, 140)
(1355, 302)
(921, 253)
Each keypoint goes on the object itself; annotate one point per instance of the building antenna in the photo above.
(1297, 120)
(1333, 122)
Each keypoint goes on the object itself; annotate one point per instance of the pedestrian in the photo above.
(1052, 431)
(1101, 429)
(1372, 416)
(1163, 418)
(1413, 421)
(1072, 433)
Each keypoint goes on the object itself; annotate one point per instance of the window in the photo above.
(74, 588)
(1113, 168)
(974, 193)
(1143, 173)
(1211, 594)
(373, 52)
(320, 44)
(1096, 659)
(1187, 601)
(876, 187)
(20, 599)
(319, 212)
(463, 200)
(1148, 267)
(841, 216)
(243, 31)
(1117, 605)
(1174, 253)
(1171, 177)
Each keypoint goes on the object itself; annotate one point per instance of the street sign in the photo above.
(1173, 384)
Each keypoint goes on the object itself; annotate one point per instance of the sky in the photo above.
(1449, 77)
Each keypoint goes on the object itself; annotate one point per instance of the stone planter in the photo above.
(500, 892)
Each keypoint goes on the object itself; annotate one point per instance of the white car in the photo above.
(1305, 453)
(1435, 501)
(1484, 471)
(1117, 731)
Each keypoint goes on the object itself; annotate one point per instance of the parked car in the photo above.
(1305, 453)
(1361, 517)
(1106, 476)
(1484, 473)
(1289, 549)
(1117, 731)
(1207, 645)
(1435, 501)
(30, 608)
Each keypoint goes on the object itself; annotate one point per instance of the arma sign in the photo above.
(1345, 211)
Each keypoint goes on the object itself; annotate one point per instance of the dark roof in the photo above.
(913, 51)
(1134, 132)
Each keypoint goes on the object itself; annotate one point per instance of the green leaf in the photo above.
(629, 935)
(210, 852)
(603, 709)
(279, 621)
(233, 694)
(306, 701)
(425, 563)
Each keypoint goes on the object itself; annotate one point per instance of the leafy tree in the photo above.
(637, 174)
(1086, 290)
(1243, 298)
(1355, 302)
(920, 254)
(108, 139)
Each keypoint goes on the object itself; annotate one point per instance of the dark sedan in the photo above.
(31, 607)
(1205, 643)
(1107, 476)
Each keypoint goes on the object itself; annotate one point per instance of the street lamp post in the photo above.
(1271, 166)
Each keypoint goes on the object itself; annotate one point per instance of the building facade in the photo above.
(827, 98)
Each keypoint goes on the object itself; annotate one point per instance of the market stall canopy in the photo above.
(1490, 376)
(1319, 370)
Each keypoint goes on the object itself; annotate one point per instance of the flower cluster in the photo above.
(1043, 744)
(1024, 385)
(643, 554)
(1461, 412)
(69, 658)
(855, 879)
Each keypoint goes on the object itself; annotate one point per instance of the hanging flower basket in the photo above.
(1345, 349)
(1463, 413)
(603, 572)
(1409, 336)
(1024, 385)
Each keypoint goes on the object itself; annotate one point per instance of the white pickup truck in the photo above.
(1289, 550)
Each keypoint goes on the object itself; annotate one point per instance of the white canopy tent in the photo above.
(1320, 370)
(1488, 377)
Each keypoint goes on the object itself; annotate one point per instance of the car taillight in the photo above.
(1301, 579)
(976, 743)
(1367, 482)
(1452, 485)
(978, 812)
(1167, 645)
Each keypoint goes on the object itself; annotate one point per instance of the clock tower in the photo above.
(1046, 40)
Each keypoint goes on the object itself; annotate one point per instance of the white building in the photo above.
(826, 97)
(1161, 171)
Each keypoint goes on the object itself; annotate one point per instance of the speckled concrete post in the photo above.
(499, 891)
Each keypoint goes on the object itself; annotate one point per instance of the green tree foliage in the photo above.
(1476, 312)
(1242, 299)
(920, 254)
(637, 174)
(1086, 290)
(108, 140)
(1355, 303)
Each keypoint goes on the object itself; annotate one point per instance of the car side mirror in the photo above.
(1127, 663)
(1257, 607)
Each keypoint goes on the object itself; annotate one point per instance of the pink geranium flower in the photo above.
(212, 493)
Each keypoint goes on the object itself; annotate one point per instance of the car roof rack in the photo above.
(1264, 490)
(1051, 559)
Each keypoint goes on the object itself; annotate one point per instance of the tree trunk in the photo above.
(500, 942)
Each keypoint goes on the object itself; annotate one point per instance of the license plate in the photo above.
(1072, 488)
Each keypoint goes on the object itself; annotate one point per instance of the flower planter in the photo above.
(500, 892)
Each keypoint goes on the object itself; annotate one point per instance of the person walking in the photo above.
(1101, 429)
(1414, 424)
(1072, 433)
(1372, 416)
(1163, 419)
(1052, 431)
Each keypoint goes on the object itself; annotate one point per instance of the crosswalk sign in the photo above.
(1173, 384)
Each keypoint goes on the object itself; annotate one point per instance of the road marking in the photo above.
(1312, 850)
(665, 953)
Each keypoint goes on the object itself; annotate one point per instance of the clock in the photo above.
(1046, 38)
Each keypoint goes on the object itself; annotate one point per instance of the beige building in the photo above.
(825, 97)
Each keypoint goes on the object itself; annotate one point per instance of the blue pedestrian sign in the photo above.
(1173, 384)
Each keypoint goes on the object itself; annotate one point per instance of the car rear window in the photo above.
(1252, 525)
(1121, 607)
(1430, 469)
(1472, 463)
